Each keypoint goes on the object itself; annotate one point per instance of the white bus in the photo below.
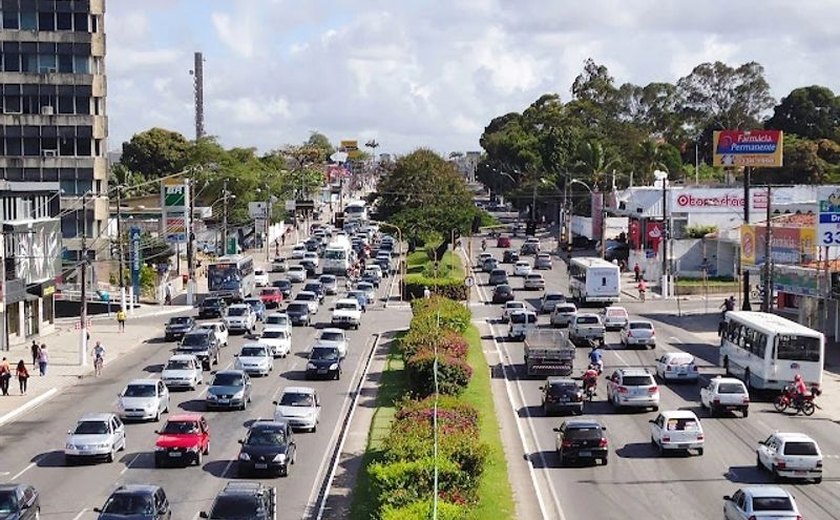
(594, 280)
(231, 277)
(767, 351)
(356, 211)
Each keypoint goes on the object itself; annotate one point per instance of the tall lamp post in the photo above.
(662, 177)
(402, 260)
(603, 227)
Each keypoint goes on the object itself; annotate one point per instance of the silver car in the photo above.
(334, 337)
(255, 359)
(563, 314)
(543, 261)
(182, 371)
(95, 436)
(300, 407)
(143, 399)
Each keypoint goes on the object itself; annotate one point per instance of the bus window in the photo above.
(797, 348)
(603, 281)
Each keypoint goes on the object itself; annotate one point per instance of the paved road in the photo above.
(31, 448)
(638, 483)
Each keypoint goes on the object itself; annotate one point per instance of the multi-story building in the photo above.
(53, 126)
(466, 163)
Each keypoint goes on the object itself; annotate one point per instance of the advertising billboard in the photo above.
(715, 200)
(175, 203)
(788, 245)
(351, 147)
(828, 216)
(760, 148)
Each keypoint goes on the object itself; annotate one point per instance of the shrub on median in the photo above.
(422, 510)
(439, 312)
(453, 374)
(447, 342)
(452, 288)
(397, 484)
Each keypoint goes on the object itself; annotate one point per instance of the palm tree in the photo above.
(651, 159)
(593, 163)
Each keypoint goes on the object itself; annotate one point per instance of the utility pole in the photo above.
(120, 253)
(83, 340)
(190, 243)
(198, 92)
(224, 219)
(664, 240)
(768, 258)
(745, 305)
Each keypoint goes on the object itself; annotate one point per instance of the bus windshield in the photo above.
(223, 276)
(797, 348)
(334, 254)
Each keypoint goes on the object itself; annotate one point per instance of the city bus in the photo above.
(356, 211)
(594, 280)
(231, 277)
(767, 351)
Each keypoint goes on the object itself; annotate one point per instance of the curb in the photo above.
(9, 417)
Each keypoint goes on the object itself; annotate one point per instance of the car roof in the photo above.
(243, 488)
(182, 357)
(275, 314)
(583, 423)
(231, 372)
(333, 330)
(185, 417)
(243, 305)
(96, 416)
(641, 321)
(200, 331)
(254, 344)
(558, 380)
(515, 302)
(347, 300)
(678, 355)
(295, 267)
(143, 382)
(721, 379)
(634, 371)
(10, 487)
(678, 414)
(210, 324)
(298, 390)
(267, 423)
(793, 436)
(145, 489)
(765, 491)
(306, 293)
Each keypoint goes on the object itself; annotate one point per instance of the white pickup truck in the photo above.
(347, 313)
(586, 327)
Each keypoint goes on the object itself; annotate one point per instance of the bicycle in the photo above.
(97, 366)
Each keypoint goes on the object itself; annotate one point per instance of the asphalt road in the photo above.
(31, 448)
(638, 483)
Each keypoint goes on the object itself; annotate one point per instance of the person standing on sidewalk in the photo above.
(637, 273)
(35, 351)
(22, 375)
(121, 319)
(43, 359)
(5, 376)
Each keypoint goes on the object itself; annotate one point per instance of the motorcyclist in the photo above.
(483, 244)
(596, 358)
(800, 389)
(590, 379)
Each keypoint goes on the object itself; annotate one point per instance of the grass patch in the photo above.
(418, 264)
(494, 491)
(393, 385)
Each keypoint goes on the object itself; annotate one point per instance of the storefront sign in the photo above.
(655, 234)
(828, 216)
(797, 280)
(715, 200)
(788, 245)
(134, 237)
(762, 148)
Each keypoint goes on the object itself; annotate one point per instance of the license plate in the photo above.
(799, 472)
(586, 453)
(174, 453)
(85, 452)
(322, 370)
(224, 401)
(261, 466)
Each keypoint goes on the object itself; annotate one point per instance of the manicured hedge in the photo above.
(398, 484)
(448, 342)
(422, 510)
(453, 374)
(452, 288)
(439, 312)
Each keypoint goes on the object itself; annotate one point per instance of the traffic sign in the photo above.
(469, 281)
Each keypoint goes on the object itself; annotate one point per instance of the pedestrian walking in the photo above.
(35, 351)
(637, 273)
(22, 375)
(427, 293)
(43, 359)
(642, 289)
(168, 291)
(5, 376)
(121, 319)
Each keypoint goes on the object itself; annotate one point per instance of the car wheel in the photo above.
(745, 412)
(604, 461)
(561, 458)
(314, 427)
(244, 404)
(776, 476)
(660, 449)
(818, 480)
(758, 465)
(700, 452)
(69, 460)
(112, 456)
(713, 411)
(157, 416)
(199, 456)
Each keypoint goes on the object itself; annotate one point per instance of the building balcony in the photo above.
(52, 78)
(54, 162)
(53, 120)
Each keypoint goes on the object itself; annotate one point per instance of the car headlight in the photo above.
(244, 456)
(69, 446)
(103, 445)
(280, 457)
(334, 366)
(311, 366)
(239, 395)
(120, 405)
(193, 449)
(212, 397)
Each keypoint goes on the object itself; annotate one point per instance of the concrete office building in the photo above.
(53, 126)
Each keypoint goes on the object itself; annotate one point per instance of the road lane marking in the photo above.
(206, 384)
(128, 466)
(82, 512)
(27, 468)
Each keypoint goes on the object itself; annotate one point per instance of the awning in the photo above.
(15, 291)
(41, 289)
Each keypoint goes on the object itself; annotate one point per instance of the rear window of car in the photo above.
(637, 381)
(682, 424)
(498, 272)
(566, 308)
(563, 388)
(772, 504)
(800, 448)
(297, 307)
(520, 317)
(681, 360)
(731, 388)
(586, 433)
(587, 320)
(640, 325)
(616, 312)
(554, 298)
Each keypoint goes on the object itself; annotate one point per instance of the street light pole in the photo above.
(190, 244)
(120, 249)
(225, 218)
(83, 340)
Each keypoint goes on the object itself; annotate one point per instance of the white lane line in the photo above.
(206, 384)
(81, 513)
(27, 468)
(128, 466)
(196, 515)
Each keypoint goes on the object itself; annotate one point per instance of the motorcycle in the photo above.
(800, 403)
(597, 367)
(590, 389)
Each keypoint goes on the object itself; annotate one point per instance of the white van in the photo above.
(521, 322)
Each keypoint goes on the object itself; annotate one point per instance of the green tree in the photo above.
(812, 112)
(321, 143)
(155, 153)
(593, 163)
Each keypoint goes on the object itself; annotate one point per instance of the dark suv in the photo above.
(324, 362)
(140, 501)
(177, 326)
(581, 439)
(298, 313)
(19, 501)
(239, 500)
(202, 344)
(562, 394)
(285, 286)
(317, 288)
(268, 447)
(212, 307)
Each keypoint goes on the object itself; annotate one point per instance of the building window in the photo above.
(81, 64)
(66, 147)
(10, 20)
(11, 62)
(65, 63)
(83, 147)
(46, 21)
(65, 104)
(83, 105)
(31, 147)
(64, 21)
(80, 22)
(14, 147)
(13, 319)
(29, 21)
(49, 309)
(11, 104)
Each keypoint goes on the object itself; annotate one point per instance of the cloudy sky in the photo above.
(429, 73)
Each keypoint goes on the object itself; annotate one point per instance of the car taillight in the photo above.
(819, 463)
(699, 436)
(717, 401)
(578, 396)
(694, 368)
(668, 368)
(602, 443)
(745, 400)
(567, 444)
(622, 389)
(666, 439)
(780, 464)
(652, 390)
(630, 333)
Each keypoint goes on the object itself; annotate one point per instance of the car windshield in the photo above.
(522, 317)
(178, 364)
(7, 502)
(567, 308)
(252, 352)
(365, 286)
(681, 360)
(274, 334)
(282, 284)
(91, 428)
(617, 312)
(255, 303)
(269, 292)
(181, 320)
(235, 508)
(797, 348)
(296, 268)
(534, 277)
(312, 287)
(772, 504)
(297, 308)
(194, 340)
(682, 424)
(731, 388)
(636, 381)
(139, 391)
(295, 399)
(587, 320)
(180, 428)
(555, 297)
(266, 437)
(503, 289)
(332, 336)
(227, 380)
(124, 504)
(212, 302)
(514, 305)
(345, 305)
(305, 297)
(583, 433)
(326, 354)
(806, 448)
(259, 272)
(236, 311)
(640, 325)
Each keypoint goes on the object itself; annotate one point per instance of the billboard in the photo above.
(175, 204)
(351, 147)
(789, 245)
(828, 216)
(761, 148)
(715, 200)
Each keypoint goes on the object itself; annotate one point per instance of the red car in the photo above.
(271, 296)
(184, 440)
(503, 242)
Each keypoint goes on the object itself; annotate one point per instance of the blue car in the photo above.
(258, 306)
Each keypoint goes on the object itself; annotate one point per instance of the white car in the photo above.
(790, 455)
(563, 314)
(254, 359)
(329, 282)
(676, 366)
(279, 265)
(482, 257)
(615, 317)
(241, 317)
(296, 274)
(347, 313)
(219, 329)
(638, 332)
(277, 339)
(182, 371)
(534, 281)
(521, 322)
(312, 256)
(511, 307)
(310, 299)
(632, 387)
(725, 393)
(760, 502)
(143, 399)
(298, 251)
(278, 320)
(332, 337)
(95, 436)
(261, 278)
(677, 430)
(300, 407)
(522, 268)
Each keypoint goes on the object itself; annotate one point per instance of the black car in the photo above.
(19, 502)
(384, 264)
(285, 286)
(239, 500)
(312, 244)
(529, 248)
(503, 293)
(299, 313)
(619, 251)
(510, 257)
(562, 394)
(317, 288)
(268, 447)
(177, 326)
(202, 344)
(581, 439)
(212, 307)
(140, 501)
(324, 362)
(310, 267)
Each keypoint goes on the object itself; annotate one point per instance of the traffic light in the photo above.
(531, 229)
